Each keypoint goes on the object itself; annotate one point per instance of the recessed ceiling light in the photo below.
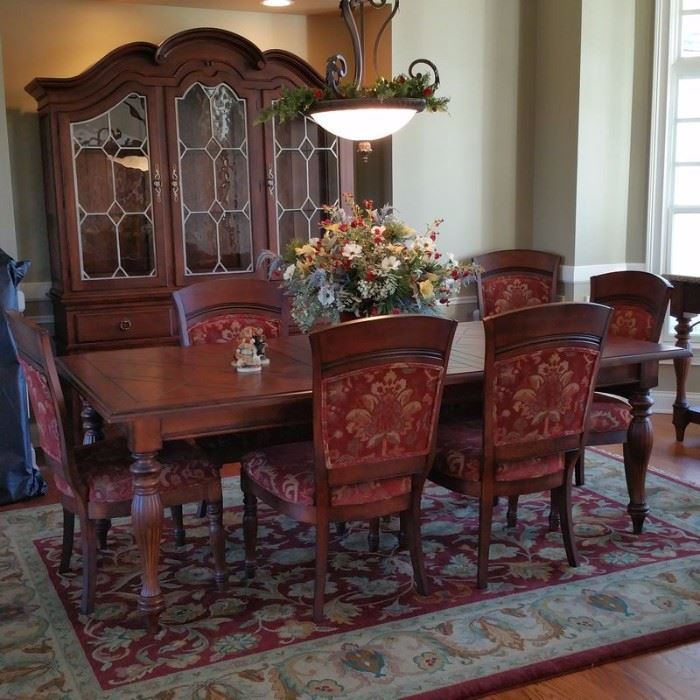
(277, 3)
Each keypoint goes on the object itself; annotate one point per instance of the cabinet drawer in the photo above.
(128, 324)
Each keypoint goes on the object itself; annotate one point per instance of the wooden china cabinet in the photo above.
(156, 176)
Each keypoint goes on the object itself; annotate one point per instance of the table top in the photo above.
(131, 383)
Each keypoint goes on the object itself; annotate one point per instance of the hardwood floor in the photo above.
(671, 674)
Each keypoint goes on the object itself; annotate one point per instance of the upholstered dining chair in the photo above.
(95, 481)
(515, 279)
(377, 388)
(539, 373)
(639, 301)
(216, 311)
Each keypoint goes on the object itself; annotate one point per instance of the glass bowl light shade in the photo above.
(365, 118)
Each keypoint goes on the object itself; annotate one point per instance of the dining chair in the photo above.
(540, 369)
(94, 481)
(639, 301)
(515, 279)
(377, 388)
(216, 311)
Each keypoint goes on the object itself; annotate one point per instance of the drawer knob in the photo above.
(125, 325)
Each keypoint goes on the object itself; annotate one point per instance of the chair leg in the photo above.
(512, 514)
(415, 547)
(89, 543)
(321, 570)
(250, 531)
(553, 512)
(215, 511)
(563, 498)
(202, 510)
(102, 527)
(403, 528)
(178, 523)
(579, 472)
(67, 547)
(373, 535)
(341, 528)
(485, 518)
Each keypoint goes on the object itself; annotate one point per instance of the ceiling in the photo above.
(300, 7)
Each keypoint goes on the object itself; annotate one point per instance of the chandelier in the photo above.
(367, 113)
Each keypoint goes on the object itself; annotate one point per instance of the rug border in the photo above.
(577, 662)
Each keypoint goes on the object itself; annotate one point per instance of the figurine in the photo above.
(247, 357)
(261, 346)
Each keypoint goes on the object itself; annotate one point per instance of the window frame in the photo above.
(668, 68)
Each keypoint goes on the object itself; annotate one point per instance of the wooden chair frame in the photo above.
(34, 347)
(508, 334)
(357, 345)
(211, 298)
(518, 260)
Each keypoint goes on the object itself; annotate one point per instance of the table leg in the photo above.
(681, 367)
(147, 521)
(637, 450)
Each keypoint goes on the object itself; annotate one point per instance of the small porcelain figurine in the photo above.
(247, 357)
(250, 353)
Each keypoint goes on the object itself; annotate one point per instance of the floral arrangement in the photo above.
(302, 99)
(367, 262)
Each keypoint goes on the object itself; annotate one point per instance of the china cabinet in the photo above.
(156, 176)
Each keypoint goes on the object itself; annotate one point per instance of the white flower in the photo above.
(378, 230)
(352, 250)
(391, 262)
(326, 295)
(289, 272)
(424, 243)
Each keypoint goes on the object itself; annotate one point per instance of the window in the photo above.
(674, 212)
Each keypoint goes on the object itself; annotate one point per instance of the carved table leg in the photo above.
(681, 367)
(637, 450)
(147, 521)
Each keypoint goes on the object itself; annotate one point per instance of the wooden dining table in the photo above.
(157, 394)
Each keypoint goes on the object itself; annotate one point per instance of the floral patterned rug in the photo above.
(538, 617)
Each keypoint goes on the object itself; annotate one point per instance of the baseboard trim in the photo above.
(577, 274)
(663, 400)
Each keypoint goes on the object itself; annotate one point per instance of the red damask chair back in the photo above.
(539, 377)
(35, 354)
(639, 301)
(377, 394)
(216, 311)
(516, 279)
(377, 389)
(540, 368)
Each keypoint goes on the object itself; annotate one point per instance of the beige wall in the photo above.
(558, 40)
(462, 166)
(604, 129)
(8, 241)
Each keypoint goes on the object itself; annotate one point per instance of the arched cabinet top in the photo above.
(164, 65)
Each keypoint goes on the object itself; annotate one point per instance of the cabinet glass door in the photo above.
(210, 185)
(112, 186)
(306, 176)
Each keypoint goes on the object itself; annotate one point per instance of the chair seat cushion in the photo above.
(105, 466)
(287, 471)
(609, 414)
(460, 453)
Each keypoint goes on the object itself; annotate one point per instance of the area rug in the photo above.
(538, 617)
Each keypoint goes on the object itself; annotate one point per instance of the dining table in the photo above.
(156, 394)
